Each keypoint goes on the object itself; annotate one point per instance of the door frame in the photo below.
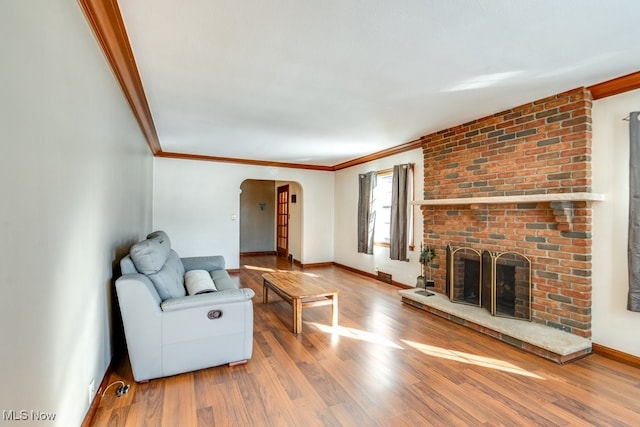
(282, 221)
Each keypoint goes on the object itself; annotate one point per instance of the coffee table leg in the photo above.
(296, 305)
(334, 311)
(265, 292)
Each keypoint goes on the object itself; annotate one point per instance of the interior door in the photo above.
(282, 221)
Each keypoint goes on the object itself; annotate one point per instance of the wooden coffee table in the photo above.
(301, 290)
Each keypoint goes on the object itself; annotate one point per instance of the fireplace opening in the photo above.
(498, 282)
(505, 289)
(466, 275)
(471, 275)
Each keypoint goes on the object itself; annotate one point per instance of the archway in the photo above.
(259, 222)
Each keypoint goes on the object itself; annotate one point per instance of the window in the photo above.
(382, 207)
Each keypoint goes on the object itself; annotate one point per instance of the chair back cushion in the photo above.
(154, 258)
(169, 281)
(150, 255)
(127, 266)
(160, 234)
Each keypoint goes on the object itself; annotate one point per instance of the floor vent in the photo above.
(384, 277)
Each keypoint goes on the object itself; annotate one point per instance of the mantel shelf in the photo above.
(528, 198)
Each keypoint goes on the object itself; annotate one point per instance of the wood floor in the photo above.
(386, 364)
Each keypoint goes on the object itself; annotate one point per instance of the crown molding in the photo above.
(408, 146)
(201, 157)
(615, 86)
(106, 22)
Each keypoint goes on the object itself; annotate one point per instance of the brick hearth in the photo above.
(551, 343)
(539, 148)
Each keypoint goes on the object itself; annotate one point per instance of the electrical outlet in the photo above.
(377, 268)
(92, 390)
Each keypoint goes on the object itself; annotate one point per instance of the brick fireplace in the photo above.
(540, 148)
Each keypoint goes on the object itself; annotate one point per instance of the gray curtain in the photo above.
(633, 300)
(399, 192)
(366, 213)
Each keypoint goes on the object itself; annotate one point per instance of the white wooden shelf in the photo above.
(529, 198)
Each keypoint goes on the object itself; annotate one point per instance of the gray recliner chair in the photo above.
(167, 330)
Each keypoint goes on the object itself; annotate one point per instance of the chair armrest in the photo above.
(208, 263)
(142, 320)
(214, 298)
(135, 290)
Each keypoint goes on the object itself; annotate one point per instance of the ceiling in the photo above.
(325, 82)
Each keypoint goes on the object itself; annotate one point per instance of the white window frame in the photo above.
(382, 207)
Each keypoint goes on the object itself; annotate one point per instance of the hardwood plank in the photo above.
(101, 416)
(321, 418)
(268, 390)
(291, 380)
(410, 418)
(118, 417)
(179, 401)
(518, 400)
(228, 405)
(137, 417)
(292, 345)
(205, 417)
(385, 364)
(218, 391)
(325, 385)
(249, 387)
(350, 414)
(448, 402)
(149, 399)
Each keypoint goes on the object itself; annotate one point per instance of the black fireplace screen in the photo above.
(465, 275)
(498, 282)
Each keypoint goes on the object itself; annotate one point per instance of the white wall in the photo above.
(257, 222)
(195, 203)
(346, 238)
(75, 188)
(613, 326)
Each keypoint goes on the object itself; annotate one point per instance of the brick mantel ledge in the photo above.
(561, 203)
(524, 198)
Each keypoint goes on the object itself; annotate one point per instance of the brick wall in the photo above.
(538, 148)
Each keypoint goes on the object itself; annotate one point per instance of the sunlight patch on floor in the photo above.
(253, 267)
(471, 359)
(310, 274)
(357, 334)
